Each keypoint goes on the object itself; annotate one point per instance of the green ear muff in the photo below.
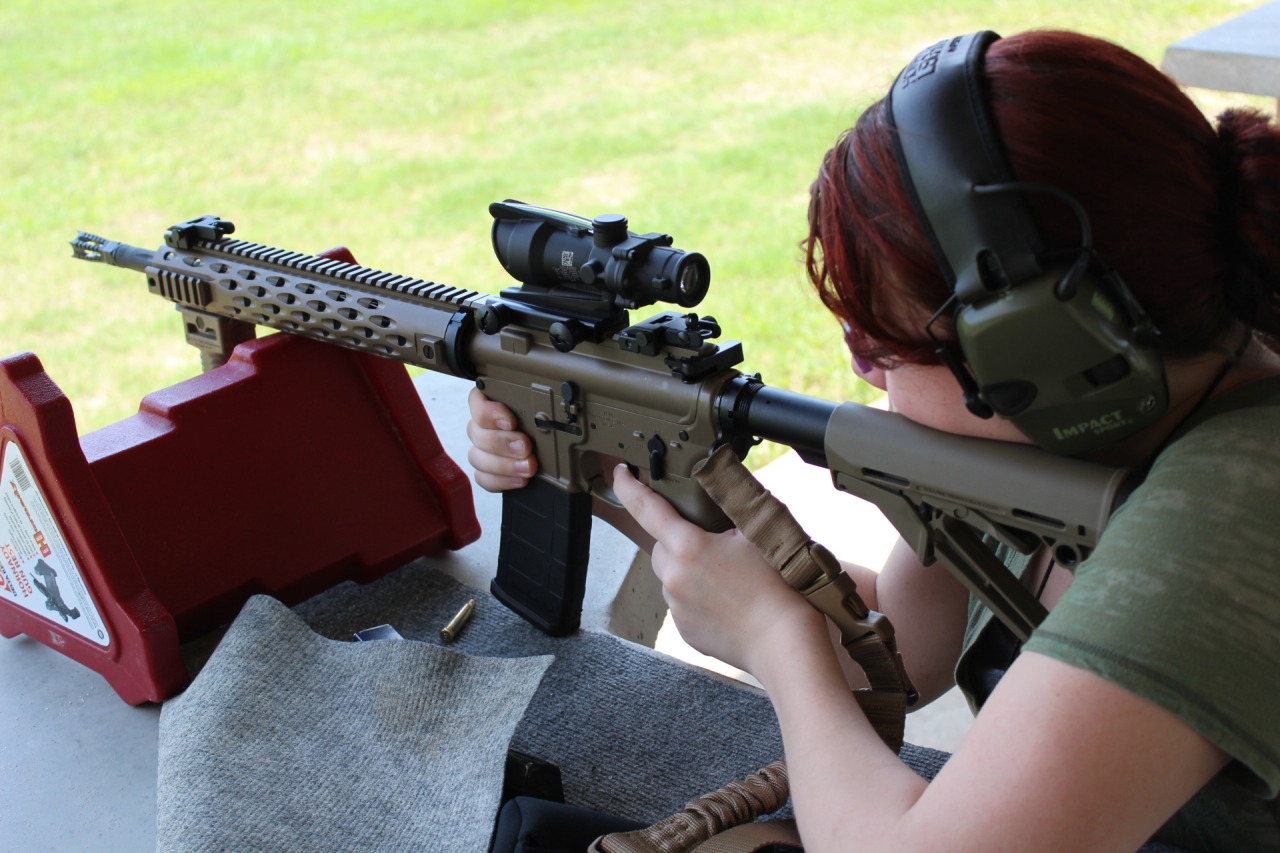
(1066, 354)
(1065, 370)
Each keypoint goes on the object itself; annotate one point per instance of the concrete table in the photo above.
(79, 765)
(1238, 55)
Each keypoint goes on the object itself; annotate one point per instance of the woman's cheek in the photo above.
(929, 395)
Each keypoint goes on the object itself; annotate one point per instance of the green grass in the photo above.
(390, 126)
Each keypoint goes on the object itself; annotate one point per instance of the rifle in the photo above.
(590, 387)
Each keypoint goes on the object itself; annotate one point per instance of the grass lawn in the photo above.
(389, 125)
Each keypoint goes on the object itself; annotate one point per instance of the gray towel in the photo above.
(634, 732)
(288, 741)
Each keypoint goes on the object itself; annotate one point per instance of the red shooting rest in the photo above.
(293, 467)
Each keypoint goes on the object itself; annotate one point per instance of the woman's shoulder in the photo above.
(1177, 604)
(1241, 424)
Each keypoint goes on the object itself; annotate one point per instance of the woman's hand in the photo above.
(725, 599)
(503, 458)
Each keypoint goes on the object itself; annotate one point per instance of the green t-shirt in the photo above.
(1180, 604)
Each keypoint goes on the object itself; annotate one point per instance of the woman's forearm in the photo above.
(843, 778)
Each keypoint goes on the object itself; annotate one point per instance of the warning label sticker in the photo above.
(37, 569)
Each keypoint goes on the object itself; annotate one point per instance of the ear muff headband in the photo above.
(946, 142)
(1065, 354)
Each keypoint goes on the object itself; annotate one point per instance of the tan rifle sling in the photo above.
(722, 821)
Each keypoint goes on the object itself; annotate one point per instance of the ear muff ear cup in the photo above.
(1066, 354)
(1062, 366)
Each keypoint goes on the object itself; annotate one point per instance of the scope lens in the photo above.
(692, 279)
(689, 282)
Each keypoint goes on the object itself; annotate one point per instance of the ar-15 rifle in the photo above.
(590, 387)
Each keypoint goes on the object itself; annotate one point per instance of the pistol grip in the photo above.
(543, 555)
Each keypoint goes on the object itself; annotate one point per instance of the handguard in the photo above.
(815, 573)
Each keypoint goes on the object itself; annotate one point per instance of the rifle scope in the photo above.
(554, 250)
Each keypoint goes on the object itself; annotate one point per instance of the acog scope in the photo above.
(550, 249)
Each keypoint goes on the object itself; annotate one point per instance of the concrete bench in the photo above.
(1238, 55)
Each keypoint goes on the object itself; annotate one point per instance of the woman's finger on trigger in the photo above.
(646, 506)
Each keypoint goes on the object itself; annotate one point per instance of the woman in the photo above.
(1145, 704)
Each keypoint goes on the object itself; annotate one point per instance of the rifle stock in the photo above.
(590, 389)
(945, 493)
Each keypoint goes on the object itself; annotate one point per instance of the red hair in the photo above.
(1187, 220)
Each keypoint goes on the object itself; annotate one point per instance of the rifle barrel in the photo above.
(91, 247)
